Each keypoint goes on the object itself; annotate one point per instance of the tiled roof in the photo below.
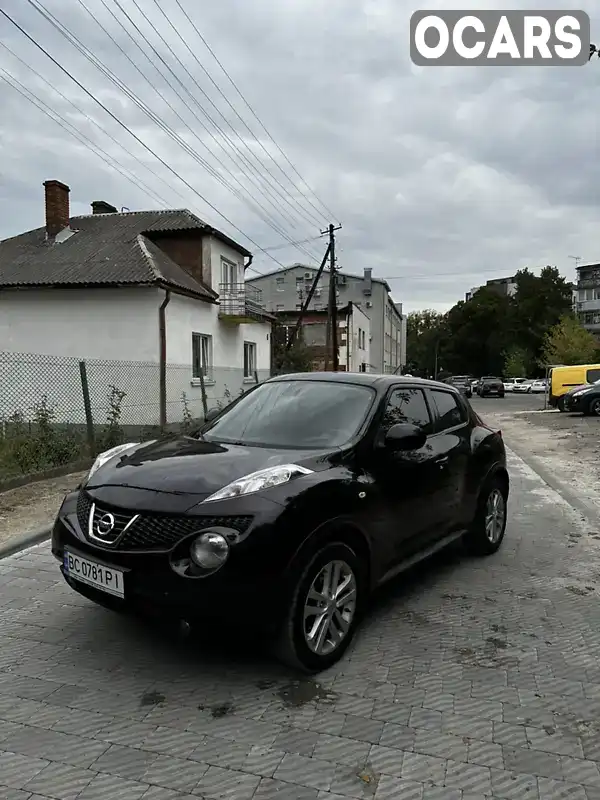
(103, 250)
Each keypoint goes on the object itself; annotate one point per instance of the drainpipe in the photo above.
(250, 260)
(162, 366)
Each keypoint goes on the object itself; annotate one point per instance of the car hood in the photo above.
(187, 470)
(580, 387)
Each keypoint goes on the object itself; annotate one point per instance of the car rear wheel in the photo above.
(324, 610)
(487, 531)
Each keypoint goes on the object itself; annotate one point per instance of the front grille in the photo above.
(152, 531)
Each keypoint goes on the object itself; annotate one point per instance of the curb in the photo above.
(587, 510)
(24, 541)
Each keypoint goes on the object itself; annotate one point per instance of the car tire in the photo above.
(489, 524)
(561, 404)
(293, 647)
(593, 408)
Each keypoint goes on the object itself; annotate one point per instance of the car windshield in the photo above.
(296, 414)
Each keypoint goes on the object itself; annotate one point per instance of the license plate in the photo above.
(107, 579)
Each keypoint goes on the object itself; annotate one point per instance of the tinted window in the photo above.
(593, 375)
(407, 405)
(298, 414)
(450, 411)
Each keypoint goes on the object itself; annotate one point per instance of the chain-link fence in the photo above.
(54, 411)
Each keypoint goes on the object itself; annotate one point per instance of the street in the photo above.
(469, 679)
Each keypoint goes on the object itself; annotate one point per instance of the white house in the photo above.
(355, 340)
(154, 302)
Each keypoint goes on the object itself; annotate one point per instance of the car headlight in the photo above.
(209, 551)
(257, 481)
(108, 454)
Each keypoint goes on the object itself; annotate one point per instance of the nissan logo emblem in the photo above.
(105, 524)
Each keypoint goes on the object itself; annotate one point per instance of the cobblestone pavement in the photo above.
(470, 679)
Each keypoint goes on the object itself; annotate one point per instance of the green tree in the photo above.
(425, 334)
(478, 334)
(516, 361)
(540, 302)
(568, 343)
(299, 358)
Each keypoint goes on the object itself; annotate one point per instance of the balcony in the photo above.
(240, 302)
(588, 305)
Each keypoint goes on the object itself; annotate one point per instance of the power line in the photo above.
(90, 56)
(103, 130)
(134, 135)
(100, 66)
(307, 215)
(96, 149)
(328, 211)
(266, 187)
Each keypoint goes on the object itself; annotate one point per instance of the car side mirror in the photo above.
(211, 414)
(404, 436)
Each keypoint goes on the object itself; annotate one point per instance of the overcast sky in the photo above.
(441, 177)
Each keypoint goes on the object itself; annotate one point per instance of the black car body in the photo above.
(462, 383)
(373, 472)
(490, 385)
(584, 399)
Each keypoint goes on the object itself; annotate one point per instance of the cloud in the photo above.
(442, 177)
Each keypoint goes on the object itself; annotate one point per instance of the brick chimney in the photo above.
(100, 207)
(57, 207)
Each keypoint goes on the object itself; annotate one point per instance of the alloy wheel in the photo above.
(595, 407)
(495, 515)
(330, 607)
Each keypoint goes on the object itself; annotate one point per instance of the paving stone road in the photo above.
(471, 679)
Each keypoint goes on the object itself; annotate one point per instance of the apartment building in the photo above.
(588, 297)
(503, 286)
(285, 290)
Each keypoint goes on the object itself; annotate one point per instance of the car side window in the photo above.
(593, 375)
(450, 410)
(407, 405)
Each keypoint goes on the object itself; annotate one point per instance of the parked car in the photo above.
(511, 383)
(564, 379)
(584, 399)
(462, 383)
(490, 385)
(287, 508)
(522, 388)
(538, 387)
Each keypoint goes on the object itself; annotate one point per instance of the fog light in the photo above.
(209, 551)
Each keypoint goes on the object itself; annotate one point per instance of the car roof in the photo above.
(378, 381)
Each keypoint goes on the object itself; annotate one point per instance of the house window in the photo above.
(249, 359)
(280, 281)
(298, 306)
(229, 273)
(202, 351)
(280, 307)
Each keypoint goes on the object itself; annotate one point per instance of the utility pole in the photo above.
(332, 338)
(307, 300)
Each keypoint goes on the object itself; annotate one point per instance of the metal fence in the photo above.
(54, 410)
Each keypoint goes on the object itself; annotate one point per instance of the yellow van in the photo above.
(563, 379)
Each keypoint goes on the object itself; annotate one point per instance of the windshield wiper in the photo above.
(143, 488)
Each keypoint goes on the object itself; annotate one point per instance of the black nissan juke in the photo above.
(285, 510)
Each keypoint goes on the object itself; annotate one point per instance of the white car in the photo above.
(538, 387)
(522, 387)
(509, 385)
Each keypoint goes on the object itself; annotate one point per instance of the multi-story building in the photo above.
(286, 290)
(503, 286)
(588, 297)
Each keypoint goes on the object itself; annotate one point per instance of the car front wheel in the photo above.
(487, 530)
(324, 610)
(594, 408)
